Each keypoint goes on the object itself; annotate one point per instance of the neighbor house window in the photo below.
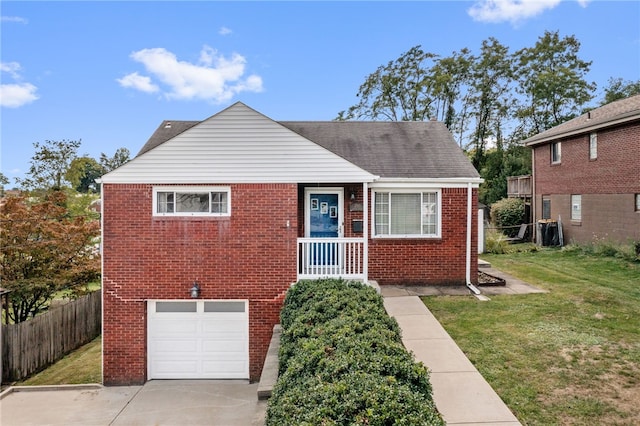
(576, 207)
(192, 201)
(593, 146)
(406, 214)
(638, 202)
(556, 153)
(546, 208)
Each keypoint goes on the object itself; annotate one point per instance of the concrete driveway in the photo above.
(158, 402)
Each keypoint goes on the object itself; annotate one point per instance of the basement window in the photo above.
(576, 208)
(192, 201)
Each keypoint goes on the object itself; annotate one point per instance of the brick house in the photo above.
(587, 172)
(236, 208)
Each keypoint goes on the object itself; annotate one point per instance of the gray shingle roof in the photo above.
(167, 130)
(391, 149)
(407, 149)
(611, 114)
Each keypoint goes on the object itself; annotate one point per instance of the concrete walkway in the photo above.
(461, 394)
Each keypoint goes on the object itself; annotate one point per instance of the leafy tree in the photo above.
(49, 165)
(452, 76)
(82, 174)
(398, 91)
(120, 157)
(44, 252)
(552, 79)
(490, 96)
(617, 89)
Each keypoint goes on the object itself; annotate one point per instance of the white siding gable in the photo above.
(238, 145)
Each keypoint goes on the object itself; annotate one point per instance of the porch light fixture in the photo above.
(353, 195)
(195, 290)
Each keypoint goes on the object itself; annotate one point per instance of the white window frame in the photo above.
(637, 199)
(420, 191)
(557, 151)
(593, 146)
(194, 190)
(576, 213)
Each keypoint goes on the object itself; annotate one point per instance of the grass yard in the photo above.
(569, 357)
(83, 365)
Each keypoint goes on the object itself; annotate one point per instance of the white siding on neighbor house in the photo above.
(238, 145)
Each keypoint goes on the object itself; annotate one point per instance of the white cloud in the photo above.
(12, 68)
(16, 19)
(514, 11)
(214, 78)
(224, 31)
(138, 82)
(16, 94)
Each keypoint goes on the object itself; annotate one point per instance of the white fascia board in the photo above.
(426, 183)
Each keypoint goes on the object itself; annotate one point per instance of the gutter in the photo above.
(470, 286)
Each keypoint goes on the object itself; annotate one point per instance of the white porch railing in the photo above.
(331, 257)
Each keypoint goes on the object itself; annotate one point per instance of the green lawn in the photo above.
(571, 356)
(83, 365)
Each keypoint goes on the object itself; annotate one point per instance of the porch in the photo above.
(332, 257)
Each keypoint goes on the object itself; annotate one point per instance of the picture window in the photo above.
(406, 214)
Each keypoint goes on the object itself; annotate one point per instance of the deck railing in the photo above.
(331, 257)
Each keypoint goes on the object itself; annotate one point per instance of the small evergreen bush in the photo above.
(508, 214)
(342, 362)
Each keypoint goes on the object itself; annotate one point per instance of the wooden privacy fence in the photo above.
(32, 345)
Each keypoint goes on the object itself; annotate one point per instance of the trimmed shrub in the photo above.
(342, 362)
(508, 214)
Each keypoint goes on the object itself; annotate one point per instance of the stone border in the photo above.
(269, 374)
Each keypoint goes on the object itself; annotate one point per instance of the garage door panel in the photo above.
(207, 341)
(174, 326)
(171, 367)
(228, 368)
(224, 346)
(175, 345)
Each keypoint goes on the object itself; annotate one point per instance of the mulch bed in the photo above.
(485, 279)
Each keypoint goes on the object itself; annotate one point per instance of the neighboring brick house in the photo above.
(244, 206)
(586, 172)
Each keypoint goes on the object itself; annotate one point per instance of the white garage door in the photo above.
(197, 339)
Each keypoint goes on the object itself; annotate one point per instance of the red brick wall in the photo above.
(430, 260)
(607, 184)
(615, 171)
(250, 255)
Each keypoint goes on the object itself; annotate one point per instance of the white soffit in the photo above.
(238, 145)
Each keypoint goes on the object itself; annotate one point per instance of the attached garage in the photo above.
(197, 339)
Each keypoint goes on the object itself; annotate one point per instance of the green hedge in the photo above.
(342, 362)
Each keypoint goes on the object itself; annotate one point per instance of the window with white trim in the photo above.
(192, 201)
(638, 202)
(556, 152)
(593, 146)
(576, 208)
(406, 214)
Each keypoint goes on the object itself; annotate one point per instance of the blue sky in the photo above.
(108, 73)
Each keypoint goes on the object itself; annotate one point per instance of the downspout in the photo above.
(99, 182)
(470, 286)
(365, 230)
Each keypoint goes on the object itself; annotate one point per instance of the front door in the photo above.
(324, 219)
